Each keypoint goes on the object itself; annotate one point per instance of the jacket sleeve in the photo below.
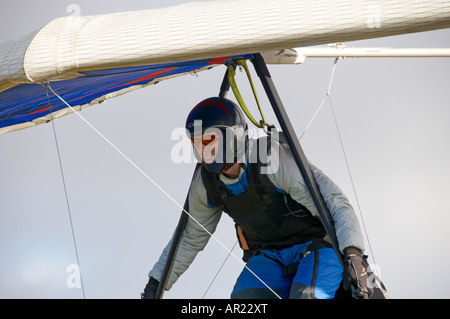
(286, 176)
(194, 238)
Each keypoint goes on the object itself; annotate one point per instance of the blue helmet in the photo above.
(218, 117)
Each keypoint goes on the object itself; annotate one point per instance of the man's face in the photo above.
(207, 146)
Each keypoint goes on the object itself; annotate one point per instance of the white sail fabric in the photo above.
(206, 29)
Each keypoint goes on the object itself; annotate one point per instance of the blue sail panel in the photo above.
(29, 101)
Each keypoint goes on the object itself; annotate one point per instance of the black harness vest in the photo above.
(267, 218)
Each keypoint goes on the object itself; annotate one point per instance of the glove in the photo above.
(150, 289)
(355, 273)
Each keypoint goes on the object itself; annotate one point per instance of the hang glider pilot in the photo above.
(277, 224)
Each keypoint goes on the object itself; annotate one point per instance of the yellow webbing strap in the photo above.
(231, 80)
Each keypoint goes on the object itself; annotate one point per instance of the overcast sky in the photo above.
(393, 114)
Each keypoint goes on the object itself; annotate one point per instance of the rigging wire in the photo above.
(220, 269)
(352, 182)
(323, 100)
(328, 97)
(65, 191)
(160, 188)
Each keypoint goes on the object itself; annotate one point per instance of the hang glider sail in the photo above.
(28, 104)
(88, 59)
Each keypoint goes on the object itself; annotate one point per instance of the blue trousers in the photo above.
(318, 275)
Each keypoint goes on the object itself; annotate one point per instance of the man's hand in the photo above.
(150, 289)
(355, 272)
